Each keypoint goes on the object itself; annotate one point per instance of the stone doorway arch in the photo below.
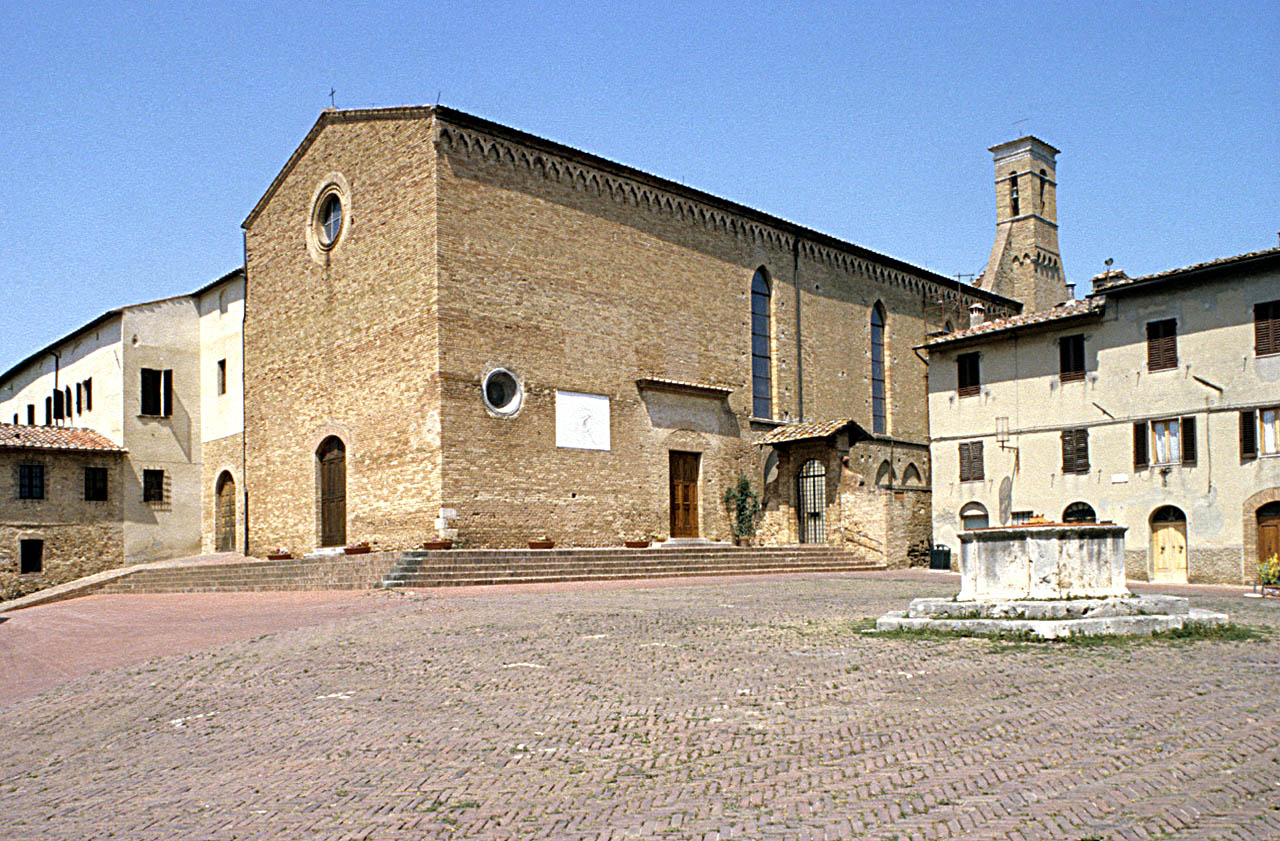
(224, 513)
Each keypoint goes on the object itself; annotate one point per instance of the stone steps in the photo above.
(472, 567)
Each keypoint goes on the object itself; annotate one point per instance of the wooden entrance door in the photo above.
(684, 494)
(1268, 530)
(224, 514)
(1169, 545)
(332, 456)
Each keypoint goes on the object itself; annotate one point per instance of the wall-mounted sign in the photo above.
(582, 421)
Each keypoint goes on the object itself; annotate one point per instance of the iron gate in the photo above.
(813, 502)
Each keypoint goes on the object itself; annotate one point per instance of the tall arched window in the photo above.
(878, 420)
(761, 358)
(1013, 193)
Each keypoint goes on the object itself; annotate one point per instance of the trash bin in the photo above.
(940, 557)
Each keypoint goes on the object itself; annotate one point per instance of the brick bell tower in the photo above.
(1024, 262)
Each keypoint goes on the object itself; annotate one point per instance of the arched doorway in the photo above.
(812, 497)
(331, 463)
(1169, 545)
(224, 513)
(1268, 531)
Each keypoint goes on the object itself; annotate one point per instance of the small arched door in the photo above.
(1268, 530)
(224, 513)
(1169, 545)
(812, 497)
(331, 461)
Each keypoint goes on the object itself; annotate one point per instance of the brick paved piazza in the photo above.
(749, 709)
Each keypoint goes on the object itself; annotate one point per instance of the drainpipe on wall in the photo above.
(795, 281)
(244, 445)
(1208, 451)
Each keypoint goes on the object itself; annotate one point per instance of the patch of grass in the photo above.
(1014, 640)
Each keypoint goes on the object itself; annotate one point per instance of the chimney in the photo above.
(1071, 293)
(976, 314)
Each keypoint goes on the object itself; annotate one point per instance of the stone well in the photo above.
(1051, 580)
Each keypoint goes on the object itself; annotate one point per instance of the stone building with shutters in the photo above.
(161, 380)
(454, 327)
(1154, 402)
(61, 506)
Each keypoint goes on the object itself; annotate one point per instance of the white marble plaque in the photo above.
(582, 421)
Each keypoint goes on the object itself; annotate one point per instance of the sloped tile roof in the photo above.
(1120, 280)
(803, 431)
(665, 384)
(16, 437)
(1071, 309)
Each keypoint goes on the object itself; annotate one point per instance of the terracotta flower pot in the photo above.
(279, 556)
(636, 544)
(359, 549)
(541, 544)
(433, 545)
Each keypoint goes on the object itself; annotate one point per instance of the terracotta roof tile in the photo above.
(16, 437)
(1119, 279)
(665, 384)
(802, 431)
(1071, 309)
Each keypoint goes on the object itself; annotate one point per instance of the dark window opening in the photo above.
(1013, 194)
(879, 419)
(31, 557)
(95, 484)
(31, 481)
(222, 376)
(59, 407)
(761, 354)
(1071, 358)
(971, 467)
(968, 379)
(48, 411)
(1266, 328)
(66, 398)
(1162, 344)
(31, 414)
(1075, 451)
(79, 398)
(88, 395)
(1079, 512)
(153, 486)
(157, 392)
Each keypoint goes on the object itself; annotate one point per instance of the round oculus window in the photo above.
(502, 392)
(330, 219)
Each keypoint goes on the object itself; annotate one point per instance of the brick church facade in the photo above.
(453, 327)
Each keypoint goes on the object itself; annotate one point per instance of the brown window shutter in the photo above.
(1082, 451)
(964, 462)
(1266, 328)
(1188, 432)
(1139, 446)
(166, 392)
(1248, 436)
(975, 457)
(1171, 351)
(1068, 451)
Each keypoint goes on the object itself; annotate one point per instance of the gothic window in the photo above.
(761, 357)
(879, 423)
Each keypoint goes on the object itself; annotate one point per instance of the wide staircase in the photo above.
(461, 567)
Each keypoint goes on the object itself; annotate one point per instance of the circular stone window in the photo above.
(502, 392)
(329, 219)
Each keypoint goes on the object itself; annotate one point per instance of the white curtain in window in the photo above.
(1168, 447)
(1271, 431)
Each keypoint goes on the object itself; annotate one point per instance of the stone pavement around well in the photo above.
(750, 709)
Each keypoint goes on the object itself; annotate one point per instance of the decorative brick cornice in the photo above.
(581, 172)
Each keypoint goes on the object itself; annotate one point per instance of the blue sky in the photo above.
(137, 137)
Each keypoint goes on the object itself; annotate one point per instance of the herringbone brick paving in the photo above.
(751, 710)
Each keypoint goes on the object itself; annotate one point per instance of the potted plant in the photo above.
(744, 508)
(436, 543)
(642, 543)
(1269, 576)
(361, 548)
(279, 553)
(542, 542)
